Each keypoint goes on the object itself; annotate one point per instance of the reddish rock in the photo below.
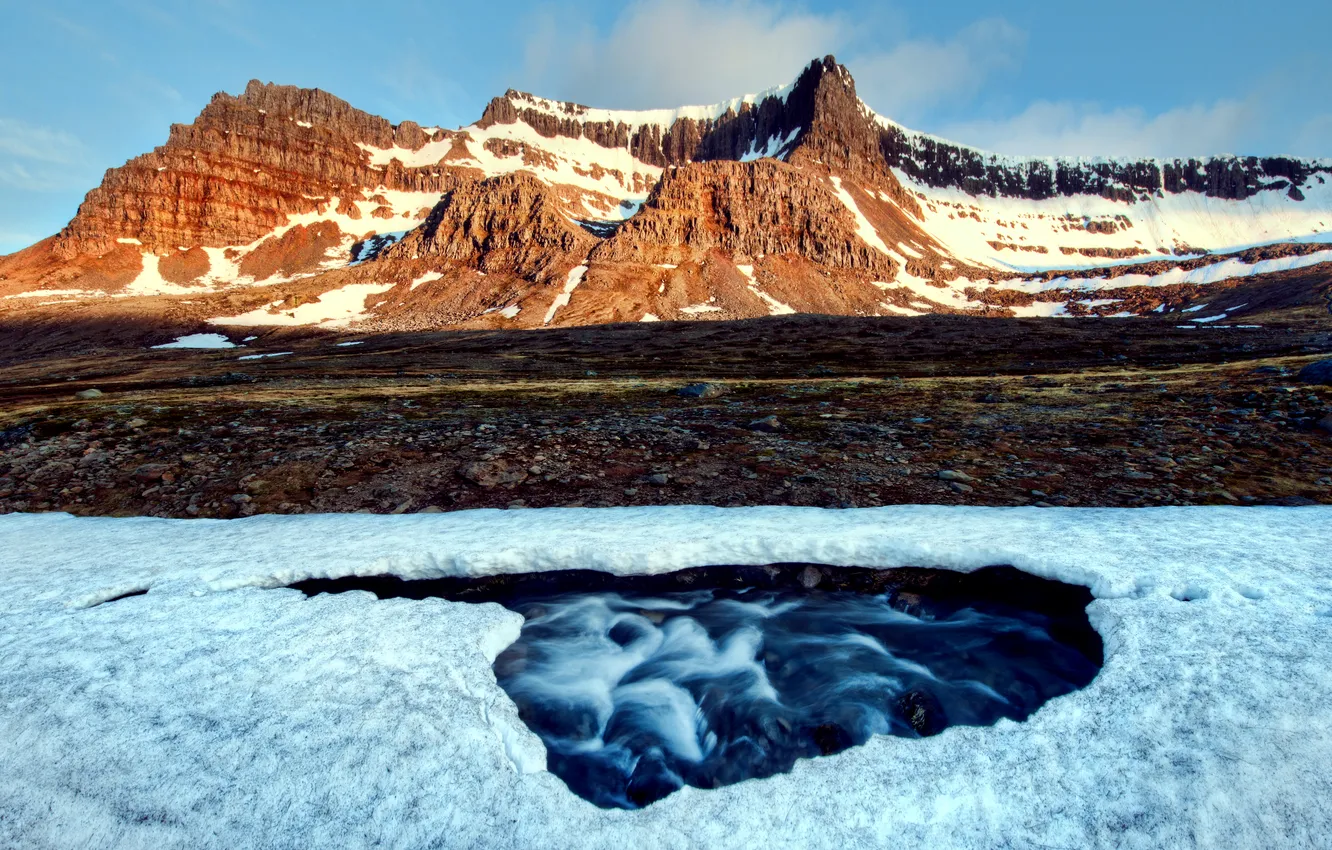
(493, 473)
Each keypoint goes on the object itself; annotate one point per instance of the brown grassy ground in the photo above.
(870, 411)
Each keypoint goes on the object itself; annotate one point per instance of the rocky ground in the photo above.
(597, 418)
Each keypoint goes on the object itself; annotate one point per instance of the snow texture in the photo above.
(562, 299)
(1229, 269)
(775, 307)
(1158, 223)
(262, 356)
(662, 118)
(336, 308)
(864, 229)
(218, 711)
(424, 279)
(405, 209)
(199, 341)
(618, 182)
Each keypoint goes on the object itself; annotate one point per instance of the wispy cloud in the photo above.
(1046, 129)
(13, 240)
(40, 159)
(915, 75)
(668, 53)
(415, 88)
(1314, 137)
(22, 140)
(660, 53)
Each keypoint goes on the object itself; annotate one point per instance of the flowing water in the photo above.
(637, 695)
(705, 677)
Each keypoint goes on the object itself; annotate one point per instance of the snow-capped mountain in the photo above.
(287, 206)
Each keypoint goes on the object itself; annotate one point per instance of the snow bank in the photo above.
(212, 712)
(973, 227)
(636, 118)
(1229, 269)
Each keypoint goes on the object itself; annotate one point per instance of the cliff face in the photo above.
(511, 224)
(799, 198)
(241, 170)
(941, 164)
(746, 210)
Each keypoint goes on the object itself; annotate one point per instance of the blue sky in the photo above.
(87, 85)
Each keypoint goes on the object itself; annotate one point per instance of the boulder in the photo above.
(767, 425)
(493, 473)
(1317, 373)
(703, 390)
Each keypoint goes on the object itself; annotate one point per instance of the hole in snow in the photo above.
(1189, 593)
(710, 676)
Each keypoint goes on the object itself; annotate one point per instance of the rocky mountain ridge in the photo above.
(285, 206)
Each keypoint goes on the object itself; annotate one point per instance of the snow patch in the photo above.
(58, 293)
(199, 341)
(864, 229)
(561, 300)
(775, 307)
(774, 146)
(424, 279)
(262, 356)
(1231, 269)
(336, 308)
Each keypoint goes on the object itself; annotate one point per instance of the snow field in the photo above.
(220, 710)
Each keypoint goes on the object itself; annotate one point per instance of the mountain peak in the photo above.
(801, 189)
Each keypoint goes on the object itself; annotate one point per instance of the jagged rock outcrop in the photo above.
(748, 210)
(511, 223)
(798, 199)
(941, 164)
(241, 169)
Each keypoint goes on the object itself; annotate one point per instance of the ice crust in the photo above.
(217, 711)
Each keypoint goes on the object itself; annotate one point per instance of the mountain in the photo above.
(289, 207)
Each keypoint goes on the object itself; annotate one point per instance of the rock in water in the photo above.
(922, 712)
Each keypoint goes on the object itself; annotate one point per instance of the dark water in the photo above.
(713, 675)
(636, 695)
